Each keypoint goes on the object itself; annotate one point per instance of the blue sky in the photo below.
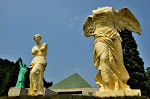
(60, 23)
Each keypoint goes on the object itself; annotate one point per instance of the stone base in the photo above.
(18, 91)
(114, 93)
(49, 92)
(82, 91)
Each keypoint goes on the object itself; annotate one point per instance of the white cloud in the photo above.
(77, 70)
(73, 20)
(76, 17)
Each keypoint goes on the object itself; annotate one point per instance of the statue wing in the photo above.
(124, 19)
(88, 26)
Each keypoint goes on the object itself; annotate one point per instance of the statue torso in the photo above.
(103, 23)
(40, 56)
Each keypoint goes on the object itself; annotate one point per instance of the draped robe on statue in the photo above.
(38, 65)
(108, 56)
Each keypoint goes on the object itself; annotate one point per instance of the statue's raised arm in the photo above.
(20, 62)
(21, 75)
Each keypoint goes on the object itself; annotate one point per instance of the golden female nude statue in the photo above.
(104, 25)
(37, 66)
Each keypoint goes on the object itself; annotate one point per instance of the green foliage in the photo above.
(47, 84)
(148, 74)
(9, 74)
(90, 93)
(134, 64)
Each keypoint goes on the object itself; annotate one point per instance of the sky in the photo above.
(60, 23)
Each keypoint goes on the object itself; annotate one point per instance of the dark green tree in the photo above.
(148, 80)
(148, 74)
(47, 84)
(133, 63)
(9, 75)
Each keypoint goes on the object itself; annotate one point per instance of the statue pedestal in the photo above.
(18, 91)
(114, 93)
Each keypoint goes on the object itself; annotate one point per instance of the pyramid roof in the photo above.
(73, 81)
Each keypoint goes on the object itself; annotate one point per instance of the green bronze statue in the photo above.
(21, 76)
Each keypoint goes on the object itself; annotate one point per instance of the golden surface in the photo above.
(104, 25)
(116, 93)
(37, 67)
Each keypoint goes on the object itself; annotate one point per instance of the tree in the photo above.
(47, 84)
(148, 79)
(133, 63)
(9, 74)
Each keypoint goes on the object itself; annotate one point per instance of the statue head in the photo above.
(37, 38)
(24, 65)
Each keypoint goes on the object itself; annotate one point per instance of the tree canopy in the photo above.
(134, 64)
(9, 74)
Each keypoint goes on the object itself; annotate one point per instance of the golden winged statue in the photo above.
(104, 25)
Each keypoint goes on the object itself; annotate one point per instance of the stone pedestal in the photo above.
(49, 92)
(17, 91)
(13, 91)
(114, 93)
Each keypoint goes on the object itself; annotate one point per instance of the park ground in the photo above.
(72, 97)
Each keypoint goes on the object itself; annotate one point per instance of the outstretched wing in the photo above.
(88, 26)
(124, 19)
